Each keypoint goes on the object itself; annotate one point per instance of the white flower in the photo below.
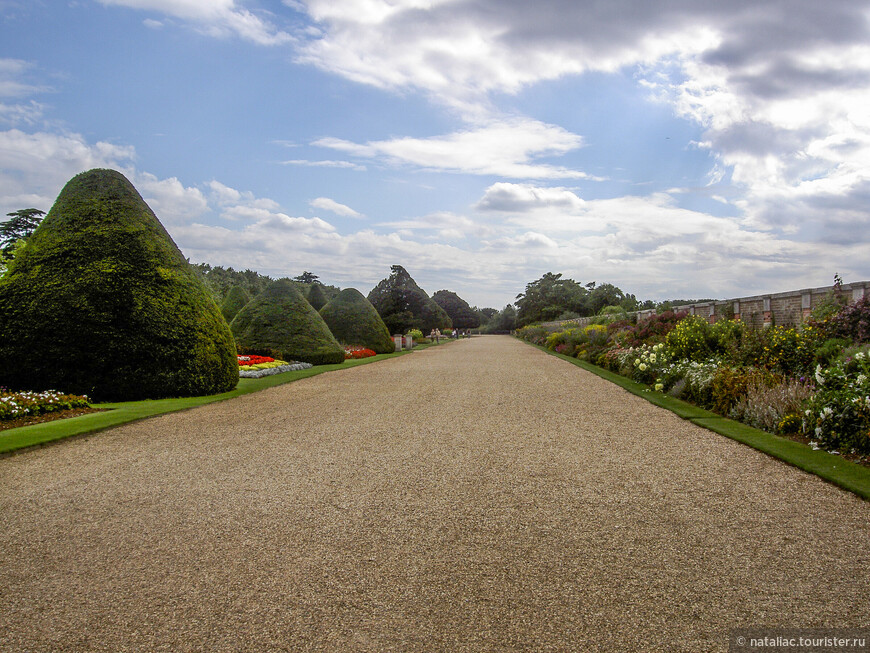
(814, 445)
(861, 379)
(659, 387)
(642, 367)
(859, 355)
(819, 377)
(827, 412)
(818, 431)
(652, 358)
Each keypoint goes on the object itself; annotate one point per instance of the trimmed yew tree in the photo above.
(403, 305)
(354, 321)
(102, 302)
(280, 321)
(235, 300)
(461, 314)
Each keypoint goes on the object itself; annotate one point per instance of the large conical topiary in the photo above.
(354, 321)
(101, 302)
(235, 300)
(279, 320)
(403, 305)
(316, 297)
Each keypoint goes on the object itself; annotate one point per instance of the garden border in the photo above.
(13, 441)
(827, 466)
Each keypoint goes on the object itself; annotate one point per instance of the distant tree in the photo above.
(504, 321)
(461, 314)
(549, 297)
(604, 295)
(307, 277)
(403, 305)
(486, 312)
(19, 226)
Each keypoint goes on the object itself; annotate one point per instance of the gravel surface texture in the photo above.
(478, 496)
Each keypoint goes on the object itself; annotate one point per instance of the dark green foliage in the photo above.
(460, 313)
(403, 305)
(281, 321)
(307, 278)
(354, 321)
(316, 297)
(503, 321)
(101, 302)
(235, 300)
(220, 280)
(20, 225)
(549, 297)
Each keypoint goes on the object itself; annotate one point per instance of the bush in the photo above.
(235, 300)
(652, 330)
(354, 321)
(690, 339)
(102, 303)
(730, 385)
(535, 334)
(279, 322)
(838, 416)
(852, 322)
(772, 408)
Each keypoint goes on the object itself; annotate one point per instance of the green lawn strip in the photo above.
(129, 411)
(832, 468)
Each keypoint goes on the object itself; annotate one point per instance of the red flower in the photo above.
(251, 359)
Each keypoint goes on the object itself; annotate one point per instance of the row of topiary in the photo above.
(101, 302)
(812, 380)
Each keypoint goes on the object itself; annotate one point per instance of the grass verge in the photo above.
(130, 411)
(834, 469)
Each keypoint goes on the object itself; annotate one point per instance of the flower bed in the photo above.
(14, 405)
(268, 369)
(357, 352)
(810, 383)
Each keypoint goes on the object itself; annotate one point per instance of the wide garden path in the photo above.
(478, 496)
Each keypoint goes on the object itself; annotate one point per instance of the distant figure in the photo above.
(437, 336)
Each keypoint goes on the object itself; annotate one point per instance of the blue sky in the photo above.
(694, 149)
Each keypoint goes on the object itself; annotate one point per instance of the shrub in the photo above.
(102, 303)
(535, 334)
(648, 362)
(838, 416)
(772, 408)
(354, 321)
(729, 385)
(279, 322)
(690, 339)
(653, 329)
(852, 322)
(235, 300)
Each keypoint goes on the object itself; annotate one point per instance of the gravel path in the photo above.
(479, 496)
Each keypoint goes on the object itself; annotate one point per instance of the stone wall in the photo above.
(785, 308)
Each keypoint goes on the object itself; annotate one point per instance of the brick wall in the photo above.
(785, 308)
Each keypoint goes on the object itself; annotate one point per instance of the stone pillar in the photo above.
(398, 341)
(767, 313)
(806, 305)
(736, 310)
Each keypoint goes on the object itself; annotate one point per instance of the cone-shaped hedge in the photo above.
(354, 321)
(316, 297)
(101, 302)
(280, 320)
(235, 300)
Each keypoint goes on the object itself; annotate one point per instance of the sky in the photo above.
(678, 149)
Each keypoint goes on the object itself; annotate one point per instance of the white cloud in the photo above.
(216, 17)
(34, 167)
(506, 148)
(334, 207)
(324, 164)
(171, 201)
